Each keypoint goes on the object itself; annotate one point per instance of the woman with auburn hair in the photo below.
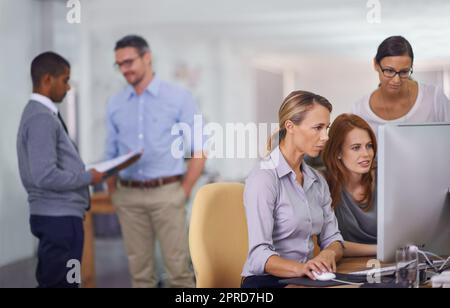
(349, 160)
(287, 202)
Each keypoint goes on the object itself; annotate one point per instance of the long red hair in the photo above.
(336, 173)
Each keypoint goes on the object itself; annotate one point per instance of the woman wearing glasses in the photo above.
(400, 99)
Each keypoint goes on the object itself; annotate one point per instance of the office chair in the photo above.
(218, 238)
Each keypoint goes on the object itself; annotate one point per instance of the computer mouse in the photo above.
(324, 276)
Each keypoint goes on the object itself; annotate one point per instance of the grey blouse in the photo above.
(355, 224)
(283, 216)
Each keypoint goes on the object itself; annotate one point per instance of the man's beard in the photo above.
(138, 80)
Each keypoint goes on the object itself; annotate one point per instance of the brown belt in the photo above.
(151, 183)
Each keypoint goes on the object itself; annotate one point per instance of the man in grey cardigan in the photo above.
(53, 174)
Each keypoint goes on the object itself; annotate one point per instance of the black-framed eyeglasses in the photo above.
(126, 63)
(390, 73)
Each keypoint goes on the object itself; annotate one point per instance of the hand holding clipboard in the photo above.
(113, 166)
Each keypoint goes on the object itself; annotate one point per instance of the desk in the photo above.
(100, 204)
(348, 265)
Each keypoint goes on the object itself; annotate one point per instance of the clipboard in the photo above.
(113, 166)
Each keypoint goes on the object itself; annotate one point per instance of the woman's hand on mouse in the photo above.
(325, 261)
(306, 269)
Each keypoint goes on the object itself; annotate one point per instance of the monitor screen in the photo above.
(413, 188)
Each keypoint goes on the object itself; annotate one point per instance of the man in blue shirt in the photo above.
(150, 195)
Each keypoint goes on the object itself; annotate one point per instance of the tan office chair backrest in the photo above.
(218, 238)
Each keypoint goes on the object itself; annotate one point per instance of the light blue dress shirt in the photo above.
(145, 123)
(282, 215)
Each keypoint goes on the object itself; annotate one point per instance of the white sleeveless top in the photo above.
(431, 106)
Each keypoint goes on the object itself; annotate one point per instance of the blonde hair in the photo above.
(295, 107)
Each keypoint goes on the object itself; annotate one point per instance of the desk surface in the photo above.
(348, 265)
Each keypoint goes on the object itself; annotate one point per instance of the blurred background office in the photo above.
(239, 58)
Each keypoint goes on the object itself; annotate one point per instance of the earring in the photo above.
(339, 157)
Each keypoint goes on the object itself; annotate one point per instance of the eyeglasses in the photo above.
(126, 63)
(390, 73)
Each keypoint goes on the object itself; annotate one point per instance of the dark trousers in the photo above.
(60, 241)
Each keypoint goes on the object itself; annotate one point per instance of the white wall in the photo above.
(342, 81)
(339, 79)
(20, 35)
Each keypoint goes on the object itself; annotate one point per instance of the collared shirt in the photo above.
(44, 100)
(282, 215)
(145, 122)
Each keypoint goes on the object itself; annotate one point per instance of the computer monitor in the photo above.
(413, 188)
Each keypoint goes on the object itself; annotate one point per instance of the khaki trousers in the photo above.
(149, 214)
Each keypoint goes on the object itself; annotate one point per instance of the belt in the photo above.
(150, 183)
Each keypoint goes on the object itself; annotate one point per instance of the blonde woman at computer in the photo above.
(399, 98)
(287, 202)
(349, 159)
